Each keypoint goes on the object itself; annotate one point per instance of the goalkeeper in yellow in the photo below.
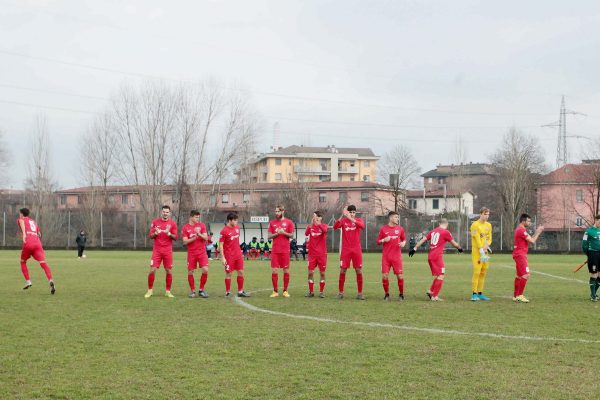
(481, 239)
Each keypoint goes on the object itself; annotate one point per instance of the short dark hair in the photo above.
(351, 207)
(392, 213)
(24, 211)
(524, 217)
(193, 213)
(165, 207)
(318, 213)
(281, 208)
(483, 210)
(232, 216)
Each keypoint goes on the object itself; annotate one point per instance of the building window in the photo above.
(111, 199)
(412, 204)
(322, 197)
(323, 164)
(366, 178)
(430, 180)
(278, 161)
(441, 181)
(124, 199)
(352, 163)
(246, 198)
(579, 221)
(579, 196)
(351, 179)
(212, 200)
(79, 199)
(63, 200)
(343, 197)
(364, 196)
(290, 161)
(367, 163)
(225, 198)
(277, 176)
(324, 178)
(436, 204)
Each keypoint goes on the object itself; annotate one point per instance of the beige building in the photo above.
(311, 164)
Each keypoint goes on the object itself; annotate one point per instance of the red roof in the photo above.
(573, 173)
(434, 193)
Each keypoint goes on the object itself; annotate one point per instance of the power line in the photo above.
(30, 89)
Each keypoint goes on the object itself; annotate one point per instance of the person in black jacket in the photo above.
(80, 240)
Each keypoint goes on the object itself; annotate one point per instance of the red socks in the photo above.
(275, 280)
(436, 286)
(203, 279)
(151, 277)
(386, 285)
(228, 284)
(169, 282)
(311, 286)
(342, 282)
(286, 281)
(520, 284)
(47, 270)
(401, 285)
(359, 282)
(191, 283)
(240, 283)
(24, 270)
(321, 286)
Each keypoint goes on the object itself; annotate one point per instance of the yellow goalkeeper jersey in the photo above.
(481, 234)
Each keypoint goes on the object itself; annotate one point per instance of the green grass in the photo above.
(99, 338)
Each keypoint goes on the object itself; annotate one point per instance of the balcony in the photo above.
(348, 170)
(311, 170)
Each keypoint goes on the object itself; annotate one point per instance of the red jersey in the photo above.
(163, 241)
(189, 231)
(317, 242)
(31, 231)
(281, 243)
(521, 244)
(230, 243)
(392, 247)
(350, 233)
(437, 240)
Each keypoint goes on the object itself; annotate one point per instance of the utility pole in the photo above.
(562, 154)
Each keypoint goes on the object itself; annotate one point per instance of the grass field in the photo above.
(99, 338)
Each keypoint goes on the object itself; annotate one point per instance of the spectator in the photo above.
(80, 240)
(209, 246)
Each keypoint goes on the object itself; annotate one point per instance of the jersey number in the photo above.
(32, 226)
(435, 238)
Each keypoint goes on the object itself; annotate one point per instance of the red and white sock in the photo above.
(228, 284)
(286, 281)
(311, 286)
(437, 286)
(401, 285)
(151, 277)
(275, 280)
(169, 282)
(47, 270)
(386, 285)
(203, 279)
(359, 282)
(240, 283)
(342, 282)
(24, 270)
(192, 283)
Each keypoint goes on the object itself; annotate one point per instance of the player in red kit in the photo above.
(195, 237)
(32, 247)
(163, 231)
(231, 255)
(316, 235)
(392, 237)
(351, 251)
(437, 240)
(281, 230)
(521, 247)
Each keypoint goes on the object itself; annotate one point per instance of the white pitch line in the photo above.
(548, 275)
(251, 307)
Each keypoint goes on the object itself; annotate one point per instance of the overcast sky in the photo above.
(344, 72)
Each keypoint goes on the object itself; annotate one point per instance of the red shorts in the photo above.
(437, 266)
(197, 260)
(317, 260)
(351, 256)
(391, 262)
(235, 265)
(166, 257)
(522, 266)
(280, 260)
(36, 251)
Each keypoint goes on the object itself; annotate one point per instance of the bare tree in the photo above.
(5, 159)
(40, 182)
(397, 168)
(517, 162)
